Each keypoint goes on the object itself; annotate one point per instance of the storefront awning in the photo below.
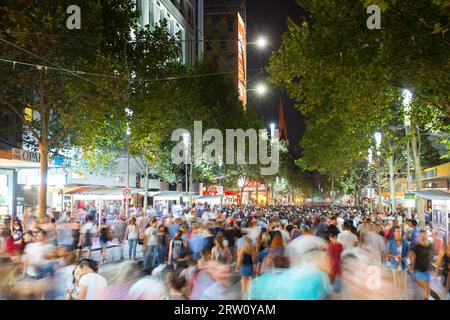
(98, 190)
(433, 194)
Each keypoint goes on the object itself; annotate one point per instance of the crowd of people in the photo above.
(236, 252)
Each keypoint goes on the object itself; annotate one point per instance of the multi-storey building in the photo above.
(225, 39)
(184, 19)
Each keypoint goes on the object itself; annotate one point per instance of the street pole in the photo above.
(392, 180)
(146, 191)
(380, 199)
(408, 169)
(128, 178)
(407, 96)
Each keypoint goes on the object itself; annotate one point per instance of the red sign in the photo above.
(127, 193)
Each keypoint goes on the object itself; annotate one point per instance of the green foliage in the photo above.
(348, 80)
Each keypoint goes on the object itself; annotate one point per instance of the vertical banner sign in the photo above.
(242, 61)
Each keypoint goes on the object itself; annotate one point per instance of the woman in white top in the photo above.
(132, 233)
(91, 285)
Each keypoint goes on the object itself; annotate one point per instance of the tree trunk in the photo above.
(332, 190)
(43, 150)
(392, 181)
(146, 190)
(257, 193)
(418, 167)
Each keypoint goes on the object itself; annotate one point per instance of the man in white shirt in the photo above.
(347, 238)
(35, 257)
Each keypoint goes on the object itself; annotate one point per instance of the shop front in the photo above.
(439, 204)
(7, 193)
(168, 202)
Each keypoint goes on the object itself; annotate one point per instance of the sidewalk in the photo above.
(113, 252)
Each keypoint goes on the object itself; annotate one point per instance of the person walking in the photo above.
(245, 262)
(444, 262)
(132, 234)
(87, 232)
(91, 285)
(421, 263)
(176, 249)
(398, 251)
(151, 245)
(105, 232)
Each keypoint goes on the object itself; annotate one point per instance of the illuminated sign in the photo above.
(242, 61)
(24, 155)
(53, 180)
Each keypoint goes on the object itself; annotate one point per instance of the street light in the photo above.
(378, 141)
(261, 42)
(272, 131)
(261, 89)
(128, 133)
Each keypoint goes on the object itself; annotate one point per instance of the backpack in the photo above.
(88, 238)
(177, 249)
(104, 234)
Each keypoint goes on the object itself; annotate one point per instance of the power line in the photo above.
(46, 67)
(56, 65)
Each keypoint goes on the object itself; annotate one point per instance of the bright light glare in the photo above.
(261, 89)
(407, 96)
(378, 140)
(261, 42)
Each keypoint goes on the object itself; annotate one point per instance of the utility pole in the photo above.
(392, 180)
(370, 181)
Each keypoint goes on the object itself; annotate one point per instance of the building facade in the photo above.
(184, 19)
(225, 39)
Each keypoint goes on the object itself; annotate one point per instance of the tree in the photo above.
(50, 93)
(346, 78)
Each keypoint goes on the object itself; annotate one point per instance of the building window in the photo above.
(215, 23)
(190, 14)
(230, 26)
(151, 13)
(172, 27)
(139, 15)
(230, 61)
(223, 44)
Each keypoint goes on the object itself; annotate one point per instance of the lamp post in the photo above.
(128, 133)
(370, 180)
(378, 138)
(186, 160)
(407, 96)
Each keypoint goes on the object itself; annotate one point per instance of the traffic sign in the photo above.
(127, 193)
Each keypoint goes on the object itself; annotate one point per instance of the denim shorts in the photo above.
(422, 276)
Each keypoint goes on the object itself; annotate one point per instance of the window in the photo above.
(157, 14)
(223, 44)
(190, 15)
(172, 27)
(139, 15)
(215, 23)
(151, 13)
(230, 26)
(230, 61)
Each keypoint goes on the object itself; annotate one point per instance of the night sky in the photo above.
(269, 18)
